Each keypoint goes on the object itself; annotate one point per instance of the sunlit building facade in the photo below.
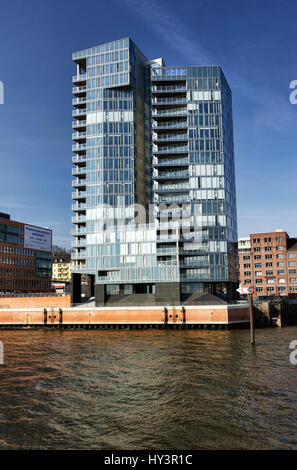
(154, 186)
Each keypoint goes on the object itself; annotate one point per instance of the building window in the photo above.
(257, 248)
(270, 289)
(293, 280)
(246, 258)
(291, 263)
(268, 265)
(247, 273)
(258, 273)
(269, 273)
(257, 257)
(293, 289)
(258, 265)
(281, 288)
(279, 248)
(259, 289)
(246, 265)
(291, 255)
(256, 240)
(258, 281)
(280, 271)
(268, 248)
(267, 240)
(281, 280)
(270, 281)
(292, 271)
(268, 256)
(280, 265)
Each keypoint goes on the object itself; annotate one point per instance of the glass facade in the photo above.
(161, 138)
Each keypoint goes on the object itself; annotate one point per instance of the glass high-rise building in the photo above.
(154, 183)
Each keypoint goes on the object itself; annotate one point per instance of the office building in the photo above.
(267, 261)
(156, 142)
(25, 257)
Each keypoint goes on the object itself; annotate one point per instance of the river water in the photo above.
(148, 389)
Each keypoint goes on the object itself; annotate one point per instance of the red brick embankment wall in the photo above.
(127, 315)
(35, 302)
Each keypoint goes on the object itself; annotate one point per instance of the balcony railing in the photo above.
(79, 89)
(170, 125)
(79, 171)
(79, 158)
(79, 135)
(77, 147)
(172, 188)
(78, 207)
(78, 243)
(168, 89)
(169, 101)
(179, 149)
(167, 137)
(78, 256)
(171, 162)
(78, 219)
(168, 112)
(78, 231)
(79, 78)
(76, 124)
(76, 101)
(79, 112)
(79, 195)
(78, 183)
(172, 175)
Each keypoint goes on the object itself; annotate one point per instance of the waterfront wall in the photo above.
(35, 302)
(190, 315)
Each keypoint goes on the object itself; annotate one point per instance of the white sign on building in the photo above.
(37, 238)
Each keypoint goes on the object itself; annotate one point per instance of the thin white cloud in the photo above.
(271, 110)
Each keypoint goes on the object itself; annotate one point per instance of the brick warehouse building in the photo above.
(25, 257)
(267, 261)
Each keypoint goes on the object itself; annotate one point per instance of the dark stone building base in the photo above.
(75, 290)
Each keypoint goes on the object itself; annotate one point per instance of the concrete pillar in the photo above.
(75, 290)
(91, 285)
(100, 295)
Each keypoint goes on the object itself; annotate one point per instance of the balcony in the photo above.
(78, 219)
(79, 78)
(173, 175)
(171, 162)
(79, 171)
(166, 251)
(79, 112)
(76, 256)
(157, 113)
(79, 102)
(78, 243)
(79, 195)
(169, 101)
(78, 124)
(77, 183)
(170, 138)
(77, 90)
(79, 159)
(169, 188)
(168, 89)
(79, 148)
(173, 200)
(177, 149)
(79, 136)
(78, 231)
(159, 126)
(79, 207)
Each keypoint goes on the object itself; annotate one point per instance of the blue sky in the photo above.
(254, 42)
